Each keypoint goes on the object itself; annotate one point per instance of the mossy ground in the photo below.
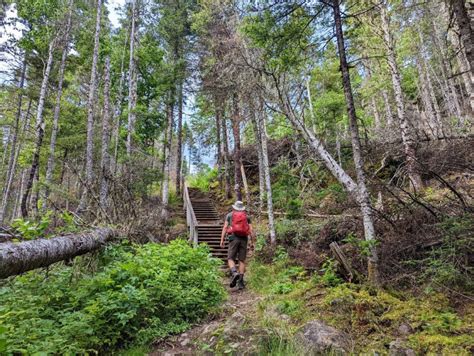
(372, 317)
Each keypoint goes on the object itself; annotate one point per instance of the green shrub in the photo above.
(448, 264)
(139, 294)
(204, 179)
(285, 189)
(31, 230)
(329, 278)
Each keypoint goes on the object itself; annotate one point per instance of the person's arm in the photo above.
(224, 232)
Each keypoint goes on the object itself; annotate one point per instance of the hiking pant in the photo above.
(237, 249)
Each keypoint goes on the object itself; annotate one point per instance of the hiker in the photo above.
(238, 228)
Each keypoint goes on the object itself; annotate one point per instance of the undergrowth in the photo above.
(139, 294)
(373, 317)
(204, 179)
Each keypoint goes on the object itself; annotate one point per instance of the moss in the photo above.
(372, 316)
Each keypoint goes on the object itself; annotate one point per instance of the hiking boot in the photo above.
(234, 279)
(241, 284)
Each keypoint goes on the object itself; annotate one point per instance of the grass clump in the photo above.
(139, 294)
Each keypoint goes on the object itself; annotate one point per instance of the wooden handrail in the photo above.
(191, 220)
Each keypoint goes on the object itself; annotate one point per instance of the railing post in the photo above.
(190, 217)
(195, 233)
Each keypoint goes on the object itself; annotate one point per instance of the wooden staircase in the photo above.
(203, 221)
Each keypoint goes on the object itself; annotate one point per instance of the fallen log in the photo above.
(16, 258)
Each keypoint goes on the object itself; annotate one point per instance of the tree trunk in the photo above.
(218, 142)
(266, 171)
(39, 130)
(167, 162)
(451, 96)
(117, 111)
(227, 169)
(132, 83)
(14, 150)
(105, 155)
(465, 30)
(90, 113)
(311, 109)
(258, 143)
(388, 109)
(179, 143)
(237, 158)
(362, 192)
(430, 116)
(245, 184)
(16, 258)
(408, 141)
(467, 72)
(20, 190)
(57, 108)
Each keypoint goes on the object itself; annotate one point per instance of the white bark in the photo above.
(261, 175)
(16, 258)
(449, 89)
(105, 156)
(117, 110)
(311, 109)
(90, 112)
(26, 127)
(167, 162)
(245, 183)
(57, 108)
(388, 109)
(317, 147)
(408, 141)
(266, 171)
(14, 149)
(362, 194)
(429, 118)
(132, 83)
(40, 123)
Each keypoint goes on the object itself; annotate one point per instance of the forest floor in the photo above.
(230, 330)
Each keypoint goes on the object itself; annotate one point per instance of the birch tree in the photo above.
(237, 158)
(14, 144)
(57, 108)
(403, 123)
(105, 155)
(262, 128)
(89, 174)
(40, 126)
(362, 194)
(167, 157)
(132, 81)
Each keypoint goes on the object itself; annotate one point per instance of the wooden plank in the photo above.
(343, 261)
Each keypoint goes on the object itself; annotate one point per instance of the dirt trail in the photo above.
(222, 332)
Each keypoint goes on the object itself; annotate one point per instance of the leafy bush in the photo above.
(329, 278)
(29, 229)
(139, 294)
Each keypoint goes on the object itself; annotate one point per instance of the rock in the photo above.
(405, 329)
(236, 321)
(185, 342)
(319, 337)
(397, 348)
